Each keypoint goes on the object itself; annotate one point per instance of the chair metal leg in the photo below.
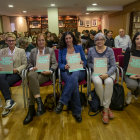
(81, 88)
(10, 90)
(54, 88)
(26, 89)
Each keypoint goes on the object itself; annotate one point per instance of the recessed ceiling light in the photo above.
(10, 6)
(24, 11)
(52, 4)
(94, 4)
(87, 13)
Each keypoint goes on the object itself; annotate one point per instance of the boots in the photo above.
(41, 109)
(30, 115)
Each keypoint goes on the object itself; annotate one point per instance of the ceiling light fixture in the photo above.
(10, 6)
(52, 4)
(94, 4)
(87, 13)
(24, 11)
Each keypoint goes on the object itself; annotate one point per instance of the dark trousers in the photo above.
(71, 89)
(6, 81)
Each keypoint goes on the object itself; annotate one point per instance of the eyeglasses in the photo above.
(101, 40)
(41, 40)
(10, 41)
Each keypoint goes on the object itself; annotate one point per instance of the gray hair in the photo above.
(23, 41)
(97, 36)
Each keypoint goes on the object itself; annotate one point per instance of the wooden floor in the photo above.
(50, 126)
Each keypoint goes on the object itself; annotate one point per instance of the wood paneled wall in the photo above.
(117, 22)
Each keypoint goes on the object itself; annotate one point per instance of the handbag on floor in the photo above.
(50, 101)
(94, 103)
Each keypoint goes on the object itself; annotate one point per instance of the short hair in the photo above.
(108, 32)
(99, 35)
(10, 35)
(87, 31)
(105, 30)
(93, 33)
(122, 29)
(41, 34)
(23, 41)
(112, 32)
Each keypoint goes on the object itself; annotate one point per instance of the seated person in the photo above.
(109, 41)
(37, 79)
(8, 80)
(90, 42)
(3, 44)
(54, 41)
(105, 30)
(68, 45)
(24, 43)
(20, 34)
(132, 82)
(27, 35)
(102, 51)
(122, 41)
(48, 37)
(78, 38)
(86, 35)
(29, 47)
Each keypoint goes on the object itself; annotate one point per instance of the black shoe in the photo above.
(59, 108)
(30, 115)
(41, 109)
(85, 85)
(78, 118)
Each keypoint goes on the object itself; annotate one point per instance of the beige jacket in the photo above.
(33, 56)
(19, 59)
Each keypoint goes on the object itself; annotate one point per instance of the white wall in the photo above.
(53, 25)
(6, 24)
(80, 29)
(105, 22)
(20, 23)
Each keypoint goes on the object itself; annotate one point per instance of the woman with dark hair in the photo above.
(133, 81)
(68, 45)
(78, 38)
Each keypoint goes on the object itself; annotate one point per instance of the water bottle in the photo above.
(0, 102)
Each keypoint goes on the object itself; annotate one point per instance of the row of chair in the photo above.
(24, 83)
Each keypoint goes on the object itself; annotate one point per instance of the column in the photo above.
(53, 25)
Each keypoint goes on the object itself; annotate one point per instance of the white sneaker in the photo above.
(9, 104)
(135, 97)
(128, 98)
(5, 112)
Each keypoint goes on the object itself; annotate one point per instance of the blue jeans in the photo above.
(71, 89)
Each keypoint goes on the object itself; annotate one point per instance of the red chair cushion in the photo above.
(56, 54)
(17, 84)
(117, 51)
(46, 84)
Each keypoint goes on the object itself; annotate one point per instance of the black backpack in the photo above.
(94, 103)
(117, 100)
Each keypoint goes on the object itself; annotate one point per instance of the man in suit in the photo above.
(8, 80)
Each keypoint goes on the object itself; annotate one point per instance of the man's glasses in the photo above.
(11, 41)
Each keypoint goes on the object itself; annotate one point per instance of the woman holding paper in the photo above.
(102, 51)
(38, 78)
(8, 80)
(68, 45)
(133, 81)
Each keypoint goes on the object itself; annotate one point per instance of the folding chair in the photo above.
(18, 84)
(121, 66)
(117, 51)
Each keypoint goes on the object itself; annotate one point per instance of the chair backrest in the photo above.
(117, 51)
(56, 54)
(121, 60)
